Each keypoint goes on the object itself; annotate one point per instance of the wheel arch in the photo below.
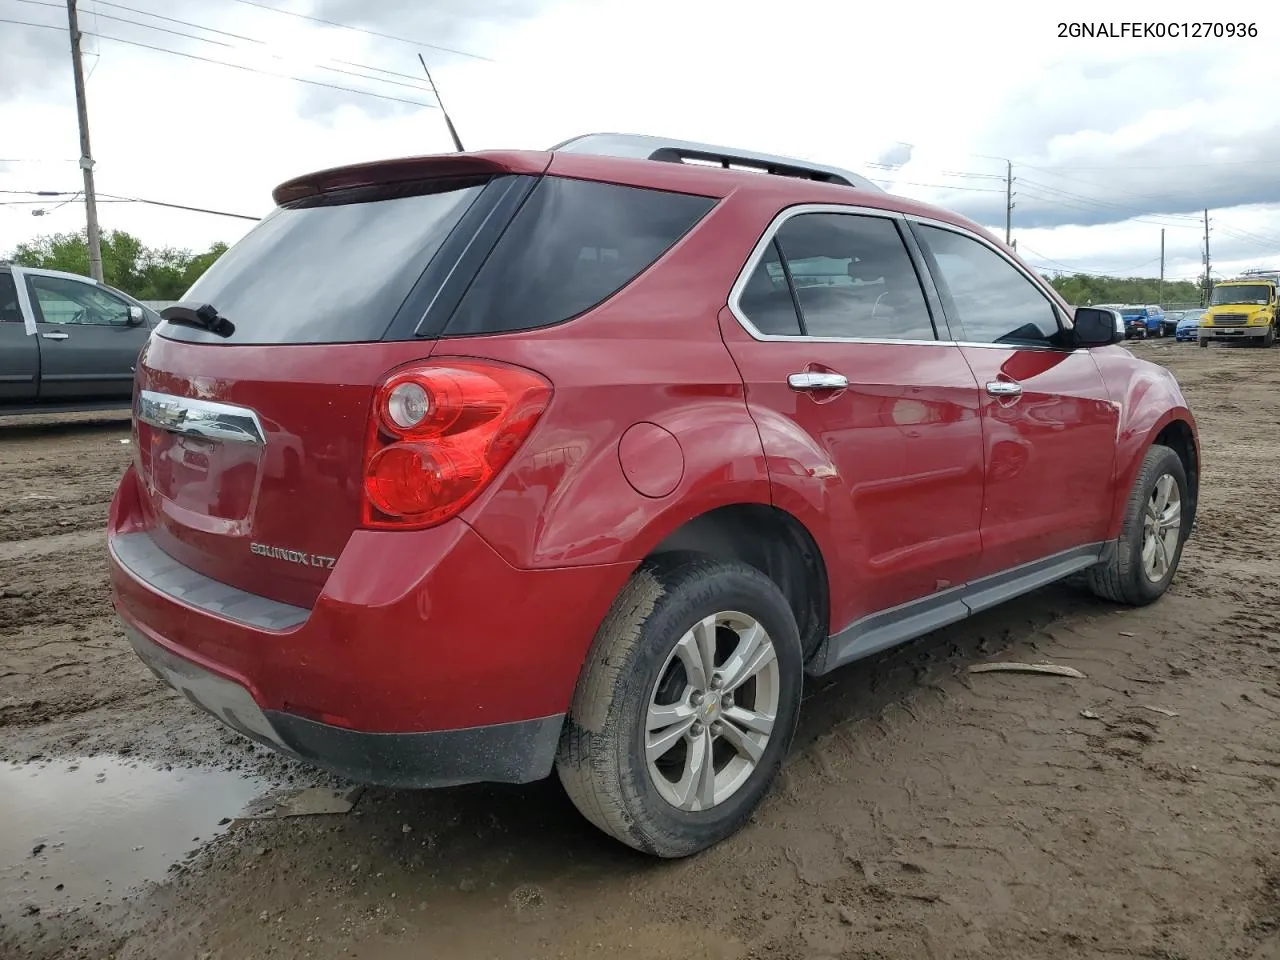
(770, 540)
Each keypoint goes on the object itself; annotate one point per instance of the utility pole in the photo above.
(1160, 290)
(86, 155)
(1208, 284)
(1008, 203)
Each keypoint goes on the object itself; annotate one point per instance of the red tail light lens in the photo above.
(440, 432)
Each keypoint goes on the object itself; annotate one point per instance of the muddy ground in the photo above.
(926, 813)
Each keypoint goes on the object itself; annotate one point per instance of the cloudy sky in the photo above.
(1111, 140)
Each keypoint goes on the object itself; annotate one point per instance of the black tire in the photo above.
(1122, 579)
(1204, 343)
(1269, 338)
(601, 760)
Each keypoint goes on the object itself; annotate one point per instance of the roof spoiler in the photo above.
(408, 169)
(639, 147)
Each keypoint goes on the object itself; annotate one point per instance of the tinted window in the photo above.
(64, 301)
(10, 312)
(330, 273)
(854, 278)
(573, 244)
(991, 298)
(766, 299)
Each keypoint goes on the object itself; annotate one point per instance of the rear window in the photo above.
(573, 245)
(329, 272)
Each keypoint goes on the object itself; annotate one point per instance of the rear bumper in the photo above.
(426, 660)
(518, 752)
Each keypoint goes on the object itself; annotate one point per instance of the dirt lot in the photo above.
(925, 814)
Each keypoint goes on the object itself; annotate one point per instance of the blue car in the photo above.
(1188, 326)
(1142, 321)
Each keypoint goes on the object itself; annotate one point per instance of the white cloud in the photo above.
(1112, 139)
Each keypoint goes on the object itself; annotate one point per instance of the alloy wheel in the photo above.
(711, 711)
(1161, 528)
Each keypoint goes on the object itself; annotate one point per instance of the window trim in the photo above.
(1064, 321)
(933, 304)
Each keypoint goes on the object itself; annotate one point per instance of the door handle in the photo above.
(56, 336)
(817, 381)
(1002, 388)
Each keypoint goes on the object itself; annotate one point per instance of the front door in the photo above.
(869, 420)
(88, 346)
(1049, 426)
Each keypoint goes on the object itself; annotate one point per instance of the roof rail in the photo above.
(640, 147)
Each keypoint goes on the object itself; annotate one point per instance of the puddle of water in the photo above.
(87, 831)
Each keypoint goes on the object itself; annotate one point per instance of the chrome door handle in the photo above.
(817, 381)
(56, 336)
(1002, 388)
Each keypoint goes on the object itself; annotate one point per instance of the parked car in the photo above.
(589, 482)
(67, 342)
(1143, 321)
(1169, 323)
(1188, 327)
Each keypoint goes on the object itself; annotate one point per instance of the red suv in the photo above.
(475, 467)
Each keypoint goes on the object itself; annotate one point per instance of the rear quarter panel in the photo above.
(652, 354)
(1149, 399)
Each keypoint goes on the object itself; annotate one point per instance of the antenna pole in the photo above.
(457, 143)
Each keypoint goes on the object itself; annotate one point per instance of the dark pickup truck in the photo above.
(67, 343)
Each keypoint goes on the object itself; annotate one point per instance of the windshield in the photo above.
(1240, 293)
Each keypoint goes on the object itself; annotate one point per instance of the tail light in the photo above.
(439, 433)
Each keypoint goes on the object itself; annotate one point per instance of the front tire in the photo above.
(1157, 521)
(686, 706)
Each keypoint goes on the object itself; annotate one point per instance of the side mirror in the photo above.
(136, 316)
(1095, 327)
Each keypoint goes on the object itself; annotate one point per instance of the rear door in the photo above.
(1049, 425)
(19, 351)
(837, 347)
(89, 347)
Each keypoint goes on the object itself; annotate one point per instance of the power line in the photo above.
(116, 198)
(365, 30)
(234, 66)
(416, 85)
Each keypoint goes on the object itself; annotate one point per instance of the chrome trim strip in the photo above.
(199, 418)
(757, 252)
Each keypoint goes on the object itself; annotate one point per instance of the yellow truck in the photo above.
(1243, 309)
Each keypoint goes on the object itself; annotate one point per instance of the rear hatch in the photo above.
(250, 437)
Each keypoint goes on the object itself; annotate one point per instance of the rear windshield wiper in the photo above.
(202, 315)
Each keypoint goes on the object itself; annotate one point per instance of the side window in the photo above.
(854, 278)
(992, 300)
(10, 312)
(766, 299)
(573, 245)
(64, 301)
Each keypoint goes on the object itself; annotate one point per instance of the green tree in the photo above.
(148, 273)
(1084, 288)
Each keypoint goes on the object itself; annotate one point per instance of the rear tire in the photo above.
(647, 722)
(1157, 521)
